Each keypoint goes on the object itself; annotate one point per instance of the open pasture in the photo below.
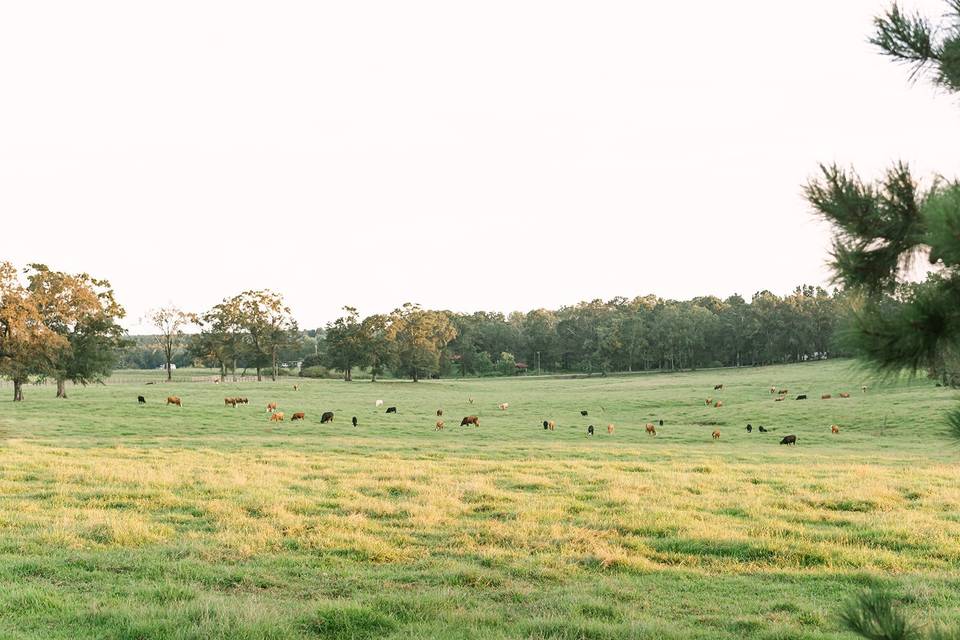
(208, 521)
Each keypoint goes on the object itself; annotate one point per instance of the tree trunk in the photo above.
(273, 371)
(415, 372)
(234, 369)
(17, 390)
(259, 377)
(61, 388)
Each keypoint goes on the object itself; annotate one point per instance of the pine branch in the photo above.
(907, 39)
(872, 615)
(879, 226)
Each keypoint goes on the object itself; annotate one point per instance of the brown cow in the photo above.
(716, 434)
(610, 429)
(474, 420)
(271, 407)
(277, 417)
(709, 401)
(503, 406)
(296, 387)
(783, 392)
(174, 400)
(651, 430)
(299, 415)
(719, 404)
(779, 398)
(826, 396)
(230, 401)
(773, 390)
(439, 425)
(551, 425)
(834, 429)
(844, 394)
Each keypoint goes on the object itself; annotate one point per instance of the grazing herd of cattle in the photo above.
(548, 425)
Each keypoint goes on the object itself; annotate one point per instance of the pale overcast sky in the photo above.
(484, 155)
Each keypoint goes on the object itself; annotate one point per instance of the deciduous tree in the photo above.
(27, 344)
(420, 336)
(268, 327)
(84, 311)
(170, 323)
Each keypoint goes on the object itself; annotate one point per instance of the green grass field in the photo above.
(122, 521)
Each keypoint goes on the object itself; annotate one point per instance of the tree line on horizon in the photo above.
(65, 327)
(639, 334)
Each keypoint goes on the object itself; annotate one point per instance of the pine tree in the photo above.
(882, 227)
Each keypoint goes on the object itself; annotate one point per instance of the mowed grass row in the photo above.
(206, 521)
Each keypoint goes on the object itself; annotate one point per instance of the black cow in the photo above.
(661, 423)
(326, 417)
(590, 430)
(583, 413)
(749, 428)
(354, 421)
(762, 430)
(802, 396)
(439, 412)
(546, 425)
(717, 387)
(789, 440)
(391, 409)
(141, 400)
